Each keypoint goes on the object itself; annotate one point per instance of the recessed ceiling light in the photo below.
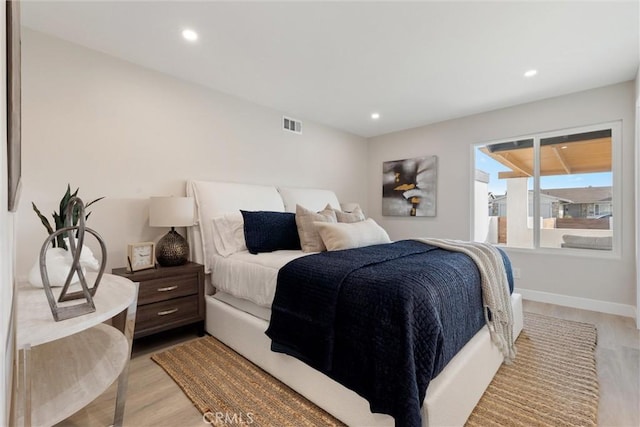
(375, 116)
(190, 35)
(531, 73)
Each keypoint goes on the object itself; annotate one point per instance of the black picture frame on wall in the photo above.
(14, 150)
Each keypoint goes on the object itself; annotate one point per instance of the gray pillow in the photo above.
(310, 239)
(354, 216)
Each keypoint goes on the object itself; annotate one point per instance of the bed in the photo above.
(238, 312)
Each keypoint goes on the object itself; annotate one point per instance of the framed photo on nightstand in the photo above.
(140, 256)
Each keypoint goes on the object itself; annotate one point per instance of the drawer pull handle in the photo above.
(164, 313)
(168, 288)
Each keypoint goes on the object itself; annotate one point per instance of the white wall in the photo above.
(606, 280)
(125, 132)
(6, 247)
(637, 181)
(480, 214)
(518, 234)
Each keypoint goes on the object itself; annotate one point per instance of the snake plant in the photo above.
(59, 218)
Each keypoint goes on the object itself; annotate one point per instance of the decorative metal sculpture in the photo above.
(74, 208)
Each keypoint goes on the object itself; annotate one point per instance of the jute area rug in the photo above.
(553, 382)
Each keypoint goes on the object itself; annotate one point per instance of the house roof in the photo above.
(544, 196)
(586, 152)
(571, 195)
(581, 195)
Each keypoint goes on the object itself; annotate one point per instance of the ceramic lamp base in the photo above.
(172, 250)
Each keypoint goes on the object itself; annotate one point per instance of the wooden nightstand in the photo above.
(168, 297)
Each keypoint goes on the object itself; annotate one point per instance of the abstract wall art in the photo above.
(409, 187)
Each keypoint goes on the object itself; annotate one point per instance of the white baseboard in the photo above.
(577, 302)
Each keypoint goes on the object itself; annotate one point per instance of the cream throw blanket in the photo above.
(495, 290)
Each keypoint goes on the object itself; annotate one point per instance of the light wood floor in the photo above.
(617, 358)
(153, 399)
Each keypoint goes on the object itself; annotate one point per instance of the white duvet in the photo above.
(250, 277)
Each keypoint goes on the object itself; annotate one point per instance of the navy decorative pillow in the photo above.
(270, 231)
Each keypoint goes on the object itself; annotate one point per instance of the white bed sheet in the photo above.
(251, 277)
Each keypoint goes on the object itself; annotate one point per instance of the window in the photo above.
(549, 190)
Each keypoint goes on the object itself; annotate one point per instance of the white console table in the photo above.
(65, 365)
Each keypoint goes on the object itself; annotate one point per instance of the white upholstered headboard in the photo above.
(311, 198)
(218, 198)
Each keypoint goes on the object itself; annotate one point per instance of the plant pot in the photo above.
(58, 265)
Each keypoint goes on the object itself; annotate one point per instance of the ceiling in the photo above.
(335, 63)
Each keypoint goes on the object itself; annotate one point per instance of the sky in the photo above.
(499, 186)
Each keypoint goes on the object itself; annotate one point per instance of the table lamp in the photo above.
(172, 249)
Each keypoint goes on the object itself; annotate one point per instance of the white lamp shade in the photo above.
(171, 212)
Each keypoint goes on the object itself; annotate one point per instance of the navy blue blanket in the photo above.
(381, 320)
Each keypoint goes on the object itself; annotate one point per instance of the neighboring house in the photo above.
(550, 206)
(587, 202)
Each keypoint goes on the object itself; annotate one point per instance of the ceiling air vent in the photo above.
(291, 125)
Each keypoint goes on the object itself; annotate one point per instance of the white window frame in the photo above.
(616, 169)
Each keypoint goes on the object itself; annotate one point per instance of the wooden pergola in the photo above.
(571, 154)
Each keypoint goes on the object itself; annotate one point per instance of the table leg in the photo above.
(127, 329)
(26, 385)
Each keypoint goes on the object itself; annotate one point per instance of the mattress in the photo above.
(250, 277)
(244, 305)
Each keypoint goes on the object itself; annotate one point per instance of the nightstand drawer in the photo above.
(167, 288)
(168, 297)
(166, 312)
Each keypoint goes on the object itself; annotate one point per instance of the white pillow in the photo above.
(351, 235)
(228, 234)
